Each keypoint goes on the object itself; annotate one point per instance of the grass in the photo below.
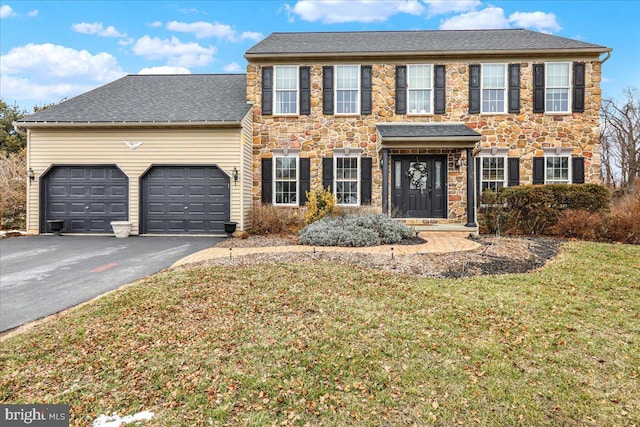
(329, 344)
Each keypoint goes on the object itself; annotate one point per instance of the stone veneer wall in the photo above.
(525, 135)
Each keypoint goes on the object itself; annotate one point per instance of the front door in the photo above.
(419, 198)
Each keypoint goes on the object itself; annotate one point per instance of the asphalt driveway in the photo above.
(42, 275)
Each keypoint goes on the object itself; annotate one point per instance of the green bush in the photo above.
(354, 230)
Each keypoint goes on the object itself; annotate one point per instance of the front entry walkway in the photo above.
(436, 243)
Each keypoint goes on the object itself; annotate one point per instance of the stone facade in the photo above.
(525, 135)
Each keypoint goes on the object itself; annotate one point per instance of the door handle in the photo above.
(186, 207)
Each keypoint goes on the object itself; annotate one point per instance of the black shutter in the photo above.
(538, 170)
(365, 89)
(267, 180)
(267, 90)
(440, 80)
(305, 180)
(365, 180)
(577, 164)
(327, 173)
(514, 171)
(305, 90)
(478, 181)
(474, 88)
(327, 90)
(401, 89)
(538, 88)
(514, 88)
(578, 87)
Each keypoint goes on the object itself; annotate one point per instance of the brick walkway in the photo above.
(436, 243)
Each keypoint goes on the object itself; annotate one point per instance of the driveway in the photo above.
(42, 275)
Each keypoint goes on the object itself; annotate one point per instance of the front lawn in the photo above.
(331, 344)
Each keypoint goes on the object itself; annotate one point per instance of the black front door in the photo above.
(412, 200)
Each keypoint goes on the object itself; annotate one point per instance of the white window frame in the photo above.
(411, 89)
(275, 90)
(504, 89)
(357, 180)
(297, 180)
(569, 172)
(504, 167)
(547, 87)
(336, 90)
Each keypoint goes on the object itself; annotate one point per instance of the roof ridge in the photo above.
(402, 31)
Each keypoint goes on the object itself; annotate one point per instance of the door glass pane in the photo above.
(398, 173)
(424, 185)
(438, 183)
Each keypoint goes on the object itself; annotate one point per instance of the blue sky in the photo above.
(52, 50)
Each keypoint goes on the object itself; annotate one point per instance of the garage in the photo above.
(86, 198)
(192, 199)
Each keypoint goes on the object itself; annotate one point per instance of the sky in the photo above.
(55, 50)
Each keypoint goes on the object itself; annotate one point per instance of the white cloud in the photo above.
(97, 28)
(155, 24)
(494, 17)
(233, 68)
(538, 21)
(48, 72)
(165, 69)
(6, 11)
(204, 30)
(340, 11)
(33, 13)
(178, 54)
(441, 7)
(126, 41)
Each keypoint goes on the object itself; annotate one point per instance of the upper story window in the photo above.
(286, 90)
(557, 87)
(494, 88)
(285, 179)
(347, 89)
(420, 89)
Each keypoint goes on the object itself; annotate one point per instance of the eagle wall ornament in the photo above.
(132, 144)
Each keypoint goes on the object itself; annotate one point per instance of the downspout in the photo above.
(602, 61)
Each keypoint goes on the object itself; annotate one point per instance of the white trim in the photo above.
(504, 88)
(505, 167)
(430, 89)
(335, 90)
(569, 87)
(275, 90)
(562, 154)
(297, 181)
(352, 154)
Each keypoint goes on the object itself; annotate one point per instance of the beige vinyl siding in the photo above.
(246, 179)
(160, 146)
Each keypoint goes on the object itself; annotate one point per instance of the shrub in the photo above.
(13, 191)
(580, 224)
(320, 203)
(268, 219)
(623, 223)
(354, 230)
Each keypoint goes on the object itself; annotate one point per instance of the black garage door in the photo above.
(87, 198)
(185, 199)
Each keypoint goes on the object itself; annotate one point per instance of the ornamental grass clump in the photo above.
(354, 231)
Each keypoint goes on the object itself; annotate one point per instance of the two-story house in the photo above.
(355, 111)
(415, 124)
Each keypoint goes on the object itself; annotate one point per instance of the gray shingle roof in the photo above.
(425, 42)
(156, 98)
(425, 131)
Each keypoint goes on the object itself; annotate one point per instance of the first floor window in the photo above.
(347, 89)
(557, 170)
(286, 180)
(557, 87)
(347, 180)
(493, 173)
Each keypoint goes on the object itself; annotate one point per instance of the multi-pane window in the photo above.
(286, 90)
(285, 178)
(556, 170)
(557, 87)
(347, 89)
(347, 180)
(420, 88)
(493, 173)
(494, 87)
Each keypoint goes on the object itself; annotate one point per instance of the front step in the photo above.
(420, 224)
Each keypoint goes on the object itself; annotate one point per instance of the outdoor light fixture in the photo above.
(30, 174)
(235, 175)
(459, 163)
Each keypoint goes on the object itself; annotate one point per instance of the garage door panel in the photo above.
(184, 199)
(86, 198)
